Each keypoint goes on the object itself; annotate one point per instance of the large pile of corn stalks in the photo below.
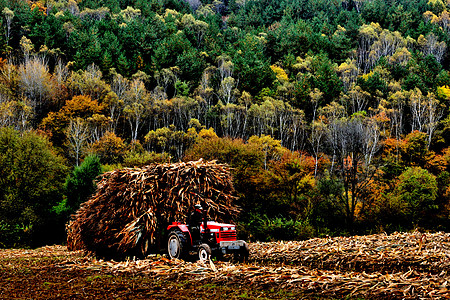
(132, 206)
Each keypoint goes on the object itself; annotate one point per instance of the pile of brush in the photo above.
(132, 206)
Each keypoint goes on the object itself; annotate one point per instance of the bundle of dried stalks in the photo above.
(132, 206)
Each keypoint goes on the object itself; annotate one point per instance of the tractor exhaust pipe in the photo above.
(205, 222)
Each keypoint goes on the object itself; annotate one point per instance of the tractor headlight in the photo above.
(223, 228)
(233, 228)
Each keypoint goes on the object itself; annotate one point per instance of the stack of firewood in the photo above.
(131, 207)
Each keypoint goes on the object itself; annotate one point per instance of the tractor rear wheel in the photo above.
(177, 245)
(204, 252)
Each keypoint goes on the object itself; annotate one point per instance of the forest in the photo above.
(333, 114)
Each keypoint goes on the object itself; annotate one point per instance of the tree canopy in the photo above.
(324, 109)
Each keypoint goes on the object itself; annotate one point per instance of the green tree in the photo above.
(415, 152)
(80, 185)
(31, 181)
(328, 216)
(191, 64)
(169, 140)
(252, 67)
(417, 190)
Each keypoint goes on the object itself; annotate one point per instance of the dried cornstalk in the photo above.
(131, 206)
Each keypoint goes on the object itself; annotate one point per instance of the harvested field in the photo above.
(397, 266)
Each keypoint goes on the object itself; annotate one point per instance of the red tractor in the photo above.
(205, 238)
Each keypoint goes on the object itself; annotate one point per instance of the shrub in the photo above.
(263, 228)
(140, 159)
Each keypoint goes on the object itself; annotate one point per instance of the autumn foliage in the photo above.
(325, 110)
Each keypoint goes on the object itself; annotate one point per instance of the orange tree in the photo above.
(109, 148)
(246, 160)
(79, 106)
(273, 187)
(292, 180)
(293, 195)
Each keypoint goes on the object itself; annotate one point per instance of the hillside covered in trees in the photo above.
(333, 114)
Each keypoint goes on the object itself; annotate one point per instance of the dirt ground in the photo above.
(399, 266)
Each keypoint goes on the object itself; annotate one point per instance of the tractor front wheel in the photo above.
(242, 254)
(176, 244)
(204, 252)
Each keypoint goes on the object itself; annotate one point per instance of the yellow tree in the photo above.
(348, 71)
(316, 97)
(170, 140)
(197, 26)
(368, 34)
(386, 45)
(437, 6)
(271, 148)
(35, 82)
(263, 117)
(9, 15)
(233, 120)
(430, 45)
(109, 148)
(137, 104)
(78, 107)
(114, 105)
(98, 125)
(77, 135)
(129, 13)
(205, 89)
(359, 99)
(89, 83)
(15, 114)
(401, 56)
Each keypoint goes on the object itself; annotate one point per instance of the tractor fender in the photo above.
(183, 228)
